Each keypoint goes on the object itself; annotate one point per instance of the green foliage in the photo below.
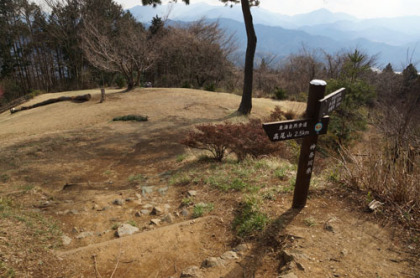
(4, 177)
(181, 157)
(357, 63)
(201, 209)
(120, 81)
(280, 93)
(136, 118)
(351, 117)
(186, 85)
(6, 272)
(210, 87)
(139, 178)
(187, 202)
(10, 90)
(310, 222)
(35, 93)
(132, 223)
(410, 76)
(281, 173)
(180, 179)
(157, 24)
(249, 219)
(40, 227)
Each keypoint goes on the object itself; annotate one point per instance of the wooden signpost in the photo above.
(316, 124)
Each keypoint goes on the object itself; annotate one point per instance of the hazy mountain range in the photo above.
(395, 40)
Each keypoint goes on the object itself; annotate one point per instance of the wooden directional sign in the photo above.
(294, 129)
(318, 106)
(331, 102)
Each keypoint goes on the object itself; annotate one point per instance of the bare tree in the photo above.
(246, 101)
(122, 46)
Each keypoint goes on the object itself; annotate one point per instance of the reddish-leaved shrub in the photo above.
(242, 139)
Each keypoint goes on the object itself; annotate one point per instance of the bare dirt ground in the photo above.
(70, 176)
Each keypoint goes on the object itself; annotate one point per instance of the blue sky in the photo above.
(358, 8)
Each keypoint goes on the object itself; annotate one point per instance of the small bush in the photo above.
(210, 87)
(209, 137)
(280, 93)
(4, 178)
(120, 81)
(186, 85)
(139, 178)
(279, 115)
(249, 220)
(242, 139)
(201, 209)
(137, 118)
(35, 93)
(250, 139)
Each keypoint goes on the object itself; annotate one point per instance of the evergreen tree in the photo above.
(388, 69)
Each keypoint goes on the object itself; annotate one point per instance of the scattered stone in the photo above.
(163, 190)
(118, 202)
(129, 199)
(374, 205)
(288, 275)
(287, 256)
(147, 206)
(241, 248)
(75, 230)
(66, 240)
(169, 218)
(229, 255)
(185, 212)
(191, 272)
(192, 193)
(145, 211)
(329, 227)
(95, 207)
(126, 230)
(146, 190)
(155, 221)
(166, 207)
(83, 235)
(157, 211)
(105, 208)
(73, 211)
(138, 214)
(300, 266)
(344, 252)
(211, 262)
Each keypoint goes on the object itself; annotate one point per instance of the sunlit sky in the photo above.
(358, 8)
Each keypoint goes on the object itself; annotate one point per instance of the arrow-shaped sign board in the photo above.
(287, 130)
(331, 102)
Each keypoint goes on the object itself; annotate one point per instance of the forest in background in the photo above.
(81, 44)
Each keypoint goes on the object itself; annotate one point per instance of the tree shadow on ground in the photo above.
(271, 240)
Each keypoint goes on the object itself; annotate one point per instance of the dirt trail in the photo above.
(71, 163)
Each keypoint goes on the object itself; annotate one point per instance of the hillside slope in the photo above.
(70, 177)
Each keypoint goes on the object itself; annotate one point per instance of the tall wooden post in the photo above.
(307, 151)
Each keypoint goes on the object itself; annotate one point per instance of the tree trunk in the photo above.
(246, 102)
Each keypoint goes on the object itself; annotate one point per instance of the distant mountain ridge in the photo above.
(395, 39)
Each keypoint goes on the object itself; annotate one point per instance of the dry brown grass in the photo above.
(382, 179)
